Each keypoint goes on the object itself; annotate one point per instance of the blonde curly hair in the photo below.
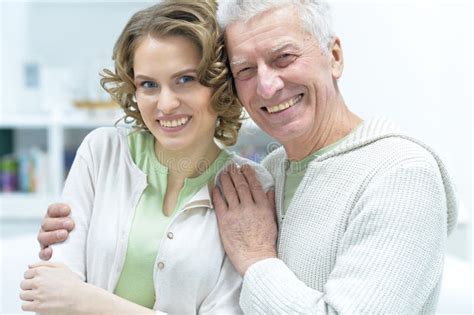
(194, 20)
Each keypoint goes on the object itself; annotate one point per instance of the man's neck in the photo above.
(336, 126)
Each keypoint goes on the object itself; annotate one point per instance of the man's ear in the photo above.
(337, 58)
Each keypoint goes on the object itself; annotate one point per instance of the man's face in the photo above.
(283, 79)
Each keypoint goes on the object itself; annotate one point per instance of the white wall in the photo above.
(68, 40)
(12, 46)
(411, 61)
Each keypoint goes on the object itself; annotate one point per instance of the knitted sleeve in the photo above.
(390, 259)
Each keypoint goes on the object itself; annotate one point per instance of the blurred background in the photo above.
(408, 60)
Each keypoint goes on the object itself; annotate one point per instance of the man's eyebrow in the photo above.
(282, 46)
(238, 62)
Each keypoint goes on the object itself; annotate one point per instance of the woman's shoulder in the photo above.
(262, 173)
(104, 140)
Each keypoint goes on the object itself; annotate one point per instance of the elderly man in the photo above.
(362, 211)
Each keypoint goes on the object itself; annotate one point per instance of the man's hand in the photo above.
(246, 217)
(55, 228)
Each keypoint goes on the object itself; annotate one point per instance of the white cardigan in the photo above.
(365, 232)
(192, 274)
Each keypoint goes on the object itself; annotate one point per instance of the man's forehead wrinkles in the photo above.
(266, 52)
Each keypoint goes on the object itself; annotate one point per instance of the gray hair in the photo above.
(314, 15)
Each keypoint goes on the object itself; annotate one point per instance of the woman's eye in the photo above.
(185, 79)
(149, 84)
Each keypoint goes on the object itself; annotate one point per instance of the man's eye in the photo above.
(284, 60)
(149, 84)
(245, 73)
(185, 79)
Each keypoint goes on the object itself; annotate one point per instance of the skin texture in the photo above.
(167, 89)
(273, 61)
(243, 215)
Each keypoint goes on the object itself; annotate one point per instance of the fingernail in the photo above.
(67, 224)
(61, 234)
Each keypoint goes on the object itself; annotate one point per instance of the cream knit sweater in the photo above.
(365, 232)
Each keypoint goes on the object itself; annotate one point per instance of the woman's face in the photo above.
(174, 106)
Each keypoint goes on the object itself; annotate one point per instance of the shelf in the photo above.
(76, 119)
(25, 121)
(24, 205)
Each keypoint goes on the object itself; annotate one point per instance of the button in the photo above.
(161, 265)
(170, 235)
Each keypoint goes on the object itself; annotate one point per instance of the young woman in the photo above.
(146, 239)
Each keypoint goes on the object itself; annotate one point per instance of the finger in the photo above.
(219, 202)
(30, 273)
(271, 201)
(27, 295)
(58, 210)
(228, 190)
(255, 186)
(53, 224)
(49, 238)
(46, 253)
(27, 285)
(241, 185)
(30, 306)
(46, 264)
(271, 198)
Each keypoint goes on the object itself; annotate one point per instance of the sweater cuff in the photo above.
(269, 286)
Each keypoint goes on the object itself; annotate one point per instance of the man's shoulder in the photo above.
(399, 149)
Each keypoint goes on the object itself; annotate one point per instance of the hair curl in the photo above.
(196, 21)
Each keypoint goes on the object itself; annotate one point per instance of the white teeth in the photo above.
(283, 106)
(174, 123)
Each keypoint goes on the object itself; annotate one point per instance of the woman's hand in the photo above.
(51, 288)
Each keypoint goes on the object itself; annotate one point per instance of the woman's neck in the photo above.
(187, 163)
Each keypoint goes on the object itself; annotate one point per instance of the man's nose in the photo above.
(269, 82)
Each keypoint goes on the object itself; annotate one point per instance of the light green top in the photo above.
(296, 170)
(150, 223)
